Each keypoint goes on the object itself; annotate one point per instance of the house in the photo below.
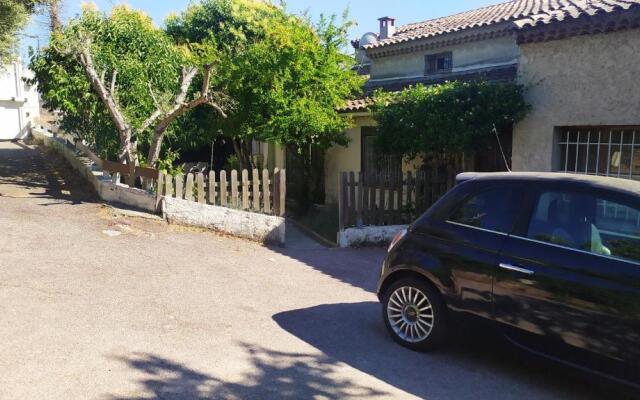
(19, 103)
(578, 59)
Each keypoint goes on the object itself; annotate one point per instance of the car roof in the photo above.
(599, 182)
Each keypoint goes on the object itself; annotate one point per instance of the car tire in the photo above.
(414, 314)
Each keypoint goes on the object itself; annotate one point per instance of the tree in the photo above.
(287, 76)
(445, 119)
(14, 14)
(98, 54)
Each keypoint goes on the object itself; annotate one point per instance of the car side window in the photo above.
(585, 222)
(618, 228)
(561, 218)
(492, 209)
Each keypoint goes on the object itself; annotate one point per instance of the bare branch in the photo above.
(153, 96)
(206, 80)
(152, 118)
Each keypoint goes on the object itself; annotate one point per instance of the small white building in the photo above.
(19, 102)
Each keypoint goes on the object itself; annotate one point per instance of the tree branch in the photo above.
(113, 82)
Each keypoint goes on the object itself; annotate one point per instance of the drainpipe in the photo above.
(19, 98)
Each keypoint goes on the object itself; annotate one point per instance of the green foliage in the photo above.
(125, 41)
(14, 14)
(452, 117)
(286, 75)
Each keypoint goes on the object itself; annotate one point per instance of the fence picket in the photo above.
(200, 183)
(223, 188)
(179, 186)
(255, 194)
(343, 218)
(168, 191)
(234, 189)
(245, 189)
(212, 188)
(283, 192)
(360, 200)
(188, 188)
(276, 191)
(266, 196)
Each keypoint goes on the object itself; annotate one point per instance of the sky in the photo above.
(364, 12)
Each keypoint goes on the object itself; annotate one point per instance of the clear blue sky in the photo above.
(364, 12)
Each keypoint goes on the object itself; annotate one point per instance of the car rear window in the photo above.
(491, 209)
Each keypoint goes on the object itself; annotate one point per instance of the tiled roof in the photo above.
(357, 105)
(509, 16)
(497, 74)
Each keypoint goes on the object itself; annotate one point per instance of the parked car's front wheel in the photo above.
(414, 314)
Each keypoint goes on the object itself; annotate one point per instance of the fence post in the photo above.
(255, 194)
(265, 191)
(159, 188)
(342, 194)
(283, 192)
(179, 186)
(200, 182)
(234, 188)
(245, 189)
(212, 188)
(223, 188)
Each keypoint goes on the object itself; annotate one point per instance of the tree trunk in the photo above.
(54, 16)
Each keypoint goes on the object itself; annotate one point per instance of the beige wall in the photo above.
(473, 54)
(584, 80)
(346, 159)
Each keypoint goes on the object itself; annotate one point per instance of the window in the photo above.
(375, 165)
(606, 151)
(583, 222)
(438, 63)
(492, 209)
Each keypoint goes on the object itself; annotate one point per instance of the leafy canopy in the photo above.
(286, 75)
(452, 117)
(14, 15)
(145, 58)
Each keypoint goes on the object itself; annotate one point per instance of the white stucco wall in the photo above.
(19, 103)
(479, 54)
(583, 80)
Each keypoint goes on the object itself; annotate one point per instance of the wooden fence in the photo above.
(257, 192)
(380, 200)
(148, 175)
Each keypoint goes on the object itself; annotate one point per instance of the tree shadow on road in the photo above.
(27, 172)
(356, 267)
(470, 367)
(277, 375)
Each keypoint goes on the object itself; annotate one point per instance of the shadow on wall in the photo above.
(278, 375)
(42, 174)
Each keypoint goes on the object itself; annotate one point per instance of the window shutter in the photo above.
(430, 64)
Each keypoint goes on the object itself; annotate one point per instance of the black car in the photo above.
(551, 260)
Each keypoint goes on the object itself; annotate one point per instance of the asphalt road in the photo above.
(95, 304)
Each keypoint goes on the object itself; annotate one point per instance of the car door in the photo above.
(464, 239)
(570, 275)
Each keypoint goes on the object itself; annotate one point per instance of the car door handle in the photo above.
(514, 268)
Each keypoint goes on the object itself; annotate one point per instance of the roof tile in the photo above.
(520, 13)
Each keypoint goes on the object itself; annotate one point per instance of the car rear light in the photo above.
(396, 239)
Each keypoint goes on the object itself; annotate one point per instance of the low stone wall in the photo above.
(82, 162)
(259, 227)
(368, 235)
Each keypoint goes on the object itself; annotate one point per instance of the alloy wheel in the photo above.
(410, 314)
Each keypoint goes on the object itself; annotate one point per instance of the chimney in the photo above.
(387, 27)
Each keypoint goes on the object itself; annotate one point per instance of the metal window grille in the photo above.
(603, 151)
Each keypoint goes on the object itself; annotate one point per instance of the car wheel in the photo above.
(414, 314)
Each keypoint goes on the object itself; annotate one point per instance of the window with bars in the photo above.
(438, 63)
(606, 151)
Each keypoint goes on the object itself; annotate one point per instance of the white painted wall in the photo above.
(19, 103)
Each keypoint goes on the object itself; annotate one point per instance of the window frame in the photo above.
(371, 131)
(430, 59)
